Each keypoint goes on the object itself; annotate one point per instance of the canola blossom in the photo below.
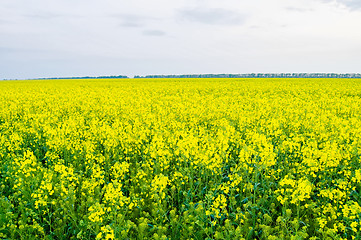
(180, 159)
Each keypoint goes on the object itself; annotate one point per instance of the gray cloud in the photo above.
(352, 4)
(156, 33)
(133, 21)
(212, 16)
(5, 50)
(131, 24)
(21, 55)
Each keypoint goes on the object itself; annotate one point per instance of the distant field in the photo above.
(180, 159)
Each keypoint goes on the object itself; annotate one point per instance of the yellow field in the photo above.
(180, 159)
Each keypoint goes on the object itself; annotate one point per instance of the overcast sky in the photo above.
(55, 38)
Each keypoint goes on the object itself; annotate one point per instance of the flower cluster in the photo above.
(180, 159)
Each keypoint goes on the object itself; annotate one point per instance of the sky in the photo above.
(65, 38)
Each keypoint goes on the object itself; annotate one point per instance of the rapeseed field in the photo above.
(180, 159)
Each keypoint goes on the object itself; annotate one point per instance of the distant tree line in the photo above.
(87, 77)
(259, 75)
(243, 75)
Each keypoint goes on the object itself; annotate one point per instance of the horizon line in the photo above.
(211, 75)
